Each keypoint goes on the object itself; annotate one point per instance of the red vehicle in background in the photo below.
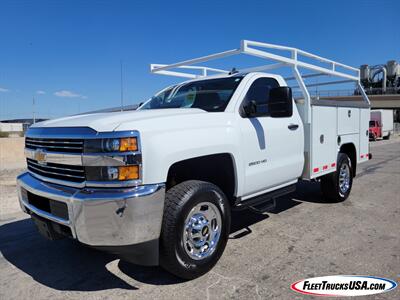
(375, 130)
(381, 124)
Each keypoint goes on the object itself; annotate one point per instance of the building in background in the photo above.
(11, 129)
(16, 127)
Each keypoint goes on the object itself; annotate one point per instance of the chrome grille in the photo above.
(57, 171)
(55, 145)
(60, 155)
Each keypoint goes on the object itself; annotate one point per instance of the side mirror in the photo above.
(155, 102)
(280, 103)
(250, 109)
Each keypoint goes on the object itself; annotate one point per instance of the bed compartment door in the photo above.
(348, 120)
(324, 140)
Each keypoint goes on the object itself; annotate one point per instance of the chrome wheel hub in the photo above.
(202, 230)
(344, 178)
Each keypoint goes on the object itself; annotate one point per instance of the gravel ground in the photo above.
(303, 237)
(8, 196)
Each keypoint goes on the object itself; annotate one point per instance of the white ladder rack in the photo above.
(350, 74)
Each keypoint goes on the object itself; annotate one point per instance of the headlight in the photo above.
(113, 160)
(129, 144)
(121, 173)
(111, 145)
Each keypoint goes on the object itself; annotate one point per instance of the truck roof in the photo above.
(238, 74)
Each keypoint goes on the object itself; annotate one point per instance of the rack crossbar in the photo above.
(247, 47)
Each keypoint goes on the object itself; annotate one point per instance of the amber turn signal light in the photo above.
(128, 173)
(128, 144)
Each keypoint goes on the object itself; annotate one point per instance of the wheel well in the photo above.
(351, 152)
(216, 168)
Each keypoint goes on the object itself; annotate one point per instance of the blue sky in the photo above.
(67, 53)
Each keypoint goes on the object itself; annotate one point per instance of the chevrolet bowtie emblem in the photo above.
(40, 156)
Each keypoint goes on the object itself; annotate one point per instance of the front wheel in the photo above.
(195, 228)
(336, 186)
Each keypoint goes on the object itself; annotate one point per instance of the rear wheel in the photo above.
(195, 228)
(336, 186)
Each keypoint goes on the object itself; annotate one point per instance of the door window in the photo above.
(259, 92)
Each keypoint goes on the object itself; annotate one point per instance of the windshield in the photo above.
(211, 95)
(371, 123)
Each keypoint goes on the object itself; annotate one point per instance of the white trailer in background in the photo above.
(385, 118)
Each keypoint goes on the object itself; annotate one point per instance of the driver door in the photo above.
(272, 147)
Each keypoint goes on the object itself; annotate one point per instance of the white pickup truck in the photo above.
(157, 185)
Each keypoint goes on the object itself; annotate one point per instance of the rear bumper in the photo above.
(111, 217)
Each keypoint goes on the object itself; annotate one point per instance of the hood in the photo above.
(103, 122)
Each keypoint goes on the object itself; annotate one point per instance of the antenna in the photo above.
(233, 71)
(122, 88)
(33, 108)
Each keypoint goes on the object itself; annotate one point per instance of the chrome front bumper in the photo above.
(101, 217)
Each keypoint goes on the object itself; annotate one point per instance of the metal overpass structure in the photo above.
(377, 101)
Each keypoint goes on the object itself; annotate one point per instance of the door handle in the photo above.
(293, 126)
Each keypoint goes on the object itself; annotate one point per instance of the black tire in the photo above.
(330, 187)
(179, 202)
(387, 137)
